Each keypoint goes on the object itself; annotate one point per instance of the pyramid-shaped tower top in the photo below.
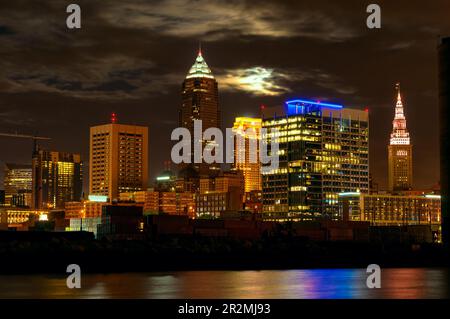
(399, 112)
(200, 69)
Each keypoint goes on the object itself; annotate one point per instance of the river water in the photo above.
(402, 283)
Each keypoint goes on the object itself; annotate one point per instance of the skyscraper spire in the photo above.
(400, 134)
(200, 69)
(399, 113)
(399, 95)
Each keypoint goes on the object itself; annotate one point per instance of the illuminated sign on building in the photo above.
(98, 198)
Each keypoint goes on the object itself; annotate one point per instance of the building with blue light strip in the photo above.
(323, 151)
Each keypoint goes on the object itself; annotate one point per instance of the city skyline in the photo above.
(277, 78)
(145, 144)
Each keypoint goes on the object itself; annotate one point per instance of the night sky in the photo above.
(131, 56)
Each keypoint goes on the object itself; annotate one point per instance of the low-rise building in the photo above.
(74, 209)
(85, 224)
(121, 222)
(386, 209)
(212, 204)
(154, 202)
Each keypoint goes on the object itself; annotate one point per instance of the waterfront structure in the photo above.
(386, 209)
(84, 209)
(200, 101)
(253, 202)
(323, 151)
(85, 215)
(400, 157)
(220, 194)
(3, 219)
(93, 209)
(155, 202)
(168, 202)
(88, 224)
(444, 117)
(119, 222)
(118, 159)
(17, 218)
(212, 204)
(223, 182)
(246, 151)
(57, 178)
(74, 210)
(188, 180)
(166, 182)
(186, 204)
(18, 184)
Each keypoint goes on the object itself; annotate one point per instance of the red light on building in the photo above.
(113, 118)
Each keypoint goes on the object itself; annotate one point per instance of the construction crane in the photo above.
(32, 137)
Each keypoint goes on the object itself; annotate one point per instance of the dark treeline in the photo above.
(52, 252)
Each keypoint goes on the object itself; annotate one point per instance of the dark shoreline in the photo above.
(26, 256)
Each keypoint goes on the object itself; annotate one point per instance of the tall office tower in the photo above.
(18, 184)
(248, 136)
(444, 116)
(118, 159)
(57, 178)
(200, 101)
(400, 160)
(323, 151)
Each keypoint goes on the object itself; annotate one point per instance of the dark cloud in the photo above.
(4, 30)
(130, 57)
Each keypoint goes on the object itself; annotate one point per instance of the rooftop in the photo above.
(200, 69)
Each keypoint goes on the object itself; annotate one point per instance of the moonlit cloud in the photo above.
(215, 20)
(257, 81)
(261, 81)
(114, 77)
(400, 45)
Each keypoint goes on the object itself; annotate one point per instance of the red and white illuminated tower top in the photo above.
(400, 134)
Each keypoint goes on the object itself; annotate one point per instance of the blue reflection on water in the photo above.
(275, 284)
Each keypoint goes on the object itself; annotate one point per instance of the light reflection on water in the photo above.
(278, 284)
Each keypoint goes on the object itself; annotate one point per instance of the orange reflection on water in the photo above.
(275, 284)
(414, 283)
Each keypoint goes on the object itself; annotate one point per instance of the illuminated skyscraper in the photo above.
(200, 101)
(118, 159)
(323, 151)
(400, 160)
(18, 184)
(57, 178)
(248, 135)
